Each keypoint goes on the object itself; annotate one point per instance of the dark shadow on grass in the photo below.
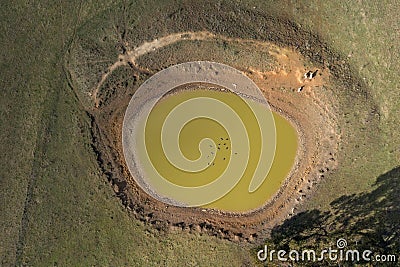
(367, 221)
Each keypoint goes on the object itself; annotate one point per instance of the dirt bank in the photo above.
(312, 113)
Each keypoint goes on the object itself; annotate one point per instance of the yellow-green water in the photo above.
(239, 198)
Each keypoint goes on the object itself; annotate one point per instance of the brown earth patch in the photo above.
(312, 113)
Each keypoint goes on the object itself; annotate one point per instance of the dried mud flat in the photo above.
(312, 111)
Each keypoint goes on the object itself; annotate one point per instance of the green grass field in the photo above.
(57, 207)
